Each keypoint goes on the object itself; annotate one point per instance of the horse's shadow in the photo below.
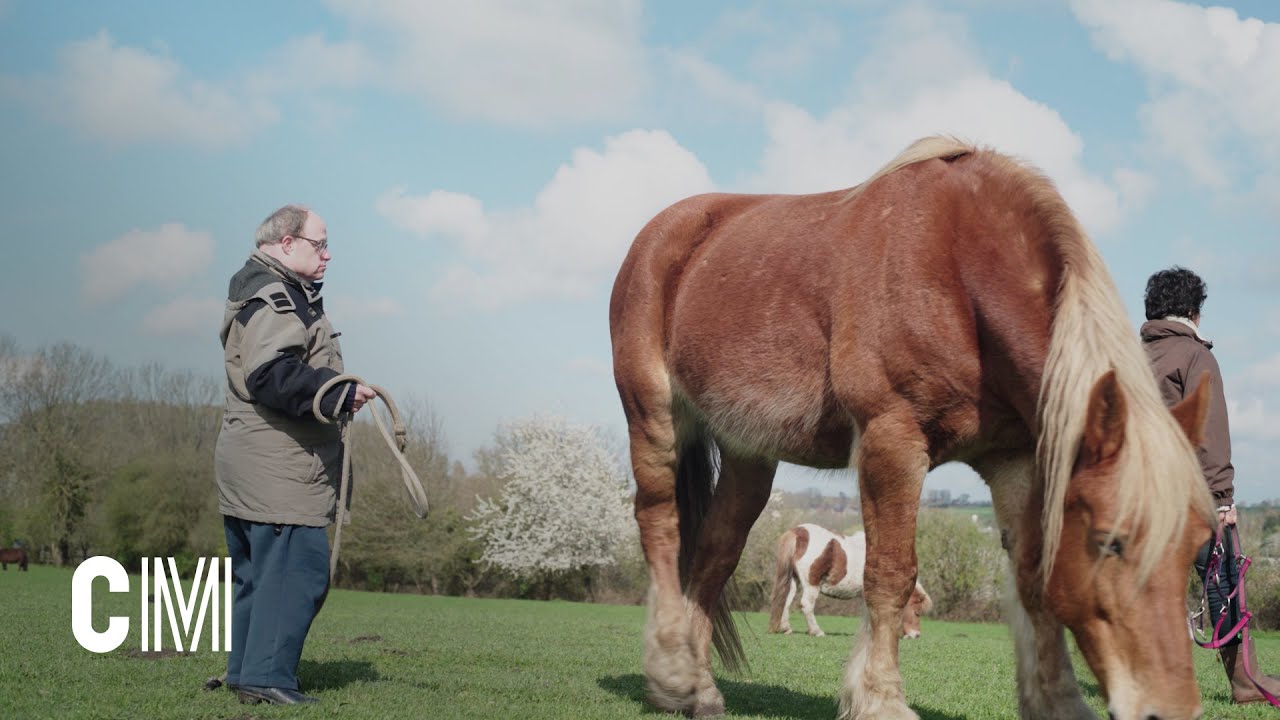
(336, 674)
(747, 698)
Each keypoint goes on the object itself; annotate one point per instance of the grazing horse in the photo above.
(13, 555)
(816, 560)
(949, 308)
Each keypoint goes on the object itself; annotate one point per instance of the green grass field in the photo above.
(404, 656)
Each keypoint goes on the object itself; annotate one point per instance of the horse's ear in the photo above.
(1192, 412)
(1104, 422)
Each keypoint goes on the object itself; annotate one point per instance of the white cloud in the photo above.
(440, 212)
(1211, 75)
(924, 77)
(1263, 374)
(513, 62)
(571, 240)
(311, 62)
(163, 257)
(1251, 420)
(344, 310)
(122, 94)
(712, 82)
(187, 315)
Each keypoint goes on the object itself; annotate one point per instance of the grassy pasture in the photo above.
(405, 656)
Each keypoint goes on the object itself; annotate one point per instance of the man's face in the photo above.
(302, 255)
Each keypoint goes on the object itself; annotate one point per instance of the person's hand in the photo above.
(364, 394)
(1229, 516)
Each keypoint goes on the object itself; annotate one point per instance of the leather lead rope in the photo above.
(417, 493)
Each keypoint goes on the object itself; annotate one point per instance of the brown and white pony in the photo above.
(814, 560)
(949, 308)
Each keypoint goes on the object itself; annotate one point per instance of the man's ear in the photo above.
(1192, 411)
(1105, 420)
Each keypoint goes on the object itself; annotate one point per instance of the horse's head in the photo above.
(918, 605)
(1119, 591)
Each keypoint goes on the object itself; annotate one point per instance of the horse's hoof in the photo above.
(787, 631)
(710, 709)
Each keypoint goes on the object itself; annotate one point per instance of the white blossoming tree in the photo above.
(564, 508)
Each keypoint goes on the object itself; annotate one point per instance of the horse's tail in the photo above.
(698, 466)
(782, 579)
(23, 561)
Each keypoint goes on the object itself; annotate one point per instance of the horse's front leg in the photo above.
(892, 462)
(741, 494)
(808, 600)
(1047, 686)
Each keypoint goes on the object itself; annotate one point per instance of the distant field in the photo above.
(404, 656)
(986, 514)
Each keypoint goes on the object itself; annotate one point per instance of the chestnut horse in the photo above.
(949, 308)
(813, 560)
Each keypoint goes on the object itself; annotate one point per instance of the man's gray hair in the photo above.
(288, 220)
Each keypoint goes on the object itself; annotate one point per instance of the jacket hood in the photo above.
(1155, 330)
(261, 270)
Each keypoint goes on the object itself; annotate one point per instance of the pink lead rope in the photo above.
(1218, 638)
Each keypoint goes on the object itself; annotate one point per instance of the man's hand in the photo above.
(1228, 517)
(364, 394)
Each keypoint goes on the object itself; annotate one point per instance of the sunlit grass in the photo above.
(405, 656)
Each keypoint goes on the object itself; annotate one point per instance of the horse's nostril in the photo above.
(1111, 715)
(1153, 717)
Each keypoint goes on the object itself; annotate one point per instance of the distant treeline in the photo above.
(101, 460)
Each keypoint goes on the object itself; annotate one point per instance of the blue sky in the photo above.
(483, 166)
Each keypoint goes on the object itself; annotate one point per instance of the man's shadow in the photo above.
(748, 698)
(335, 674)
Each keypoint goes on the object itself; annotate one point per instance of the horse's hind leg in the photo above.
(1047, 686)
(785, 623)
(892, 461)
(668, 661)
(741, 493)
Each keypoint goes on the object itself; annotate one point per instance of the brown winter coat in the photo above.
(1179, 357)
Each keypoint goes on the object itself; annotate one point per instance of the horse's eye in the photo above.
(1114, 548)
(1109, 545)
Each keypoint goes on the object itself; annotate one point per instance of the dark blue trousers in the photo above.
(281, 579)
(1220, 588)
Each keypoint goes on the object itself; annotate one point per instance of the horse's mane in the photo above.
(929, 148)
(1158, 476)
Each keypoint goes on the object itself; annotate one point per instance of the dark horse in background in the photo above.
(13, 555)
(951, 308)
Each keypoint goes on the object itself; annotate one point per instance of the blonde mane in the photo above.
(930, 148)
(1158, 476)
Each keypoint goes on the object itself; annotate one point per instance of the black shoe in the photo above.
(251, 695)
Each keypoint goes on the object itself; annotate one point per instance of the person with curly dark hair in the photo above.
(1179, 356)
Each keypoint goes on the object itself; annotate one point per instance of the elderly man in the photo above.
(277, 466)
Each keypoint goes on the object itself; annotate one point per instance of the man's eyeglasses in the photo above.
(319, 245)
